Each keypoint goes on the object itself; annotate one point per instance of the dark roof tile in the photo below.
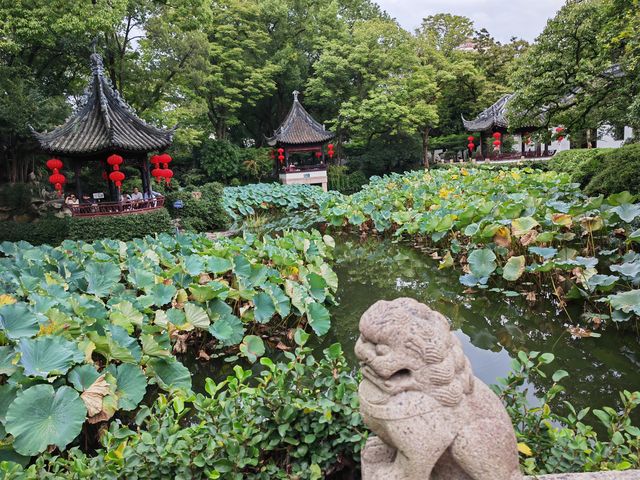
(299, 128)
(103, 122)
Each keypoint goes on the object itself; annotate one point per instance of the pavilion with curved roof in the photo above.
(103, 124)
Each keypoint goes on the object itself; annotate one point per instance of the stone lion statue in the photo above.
(432, 418)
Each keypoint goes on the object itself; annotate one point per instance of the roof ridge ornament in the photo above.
(295, 95)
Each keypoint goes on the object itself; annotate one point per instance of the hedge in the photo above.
(601, 170)
(582, 164)
(48, 230)
(342, 181)
(54, 230)
(620, 171)
(120, 227)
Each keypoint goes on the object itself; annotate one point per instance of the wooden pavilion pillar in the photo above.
(76, 169)
(481, 150)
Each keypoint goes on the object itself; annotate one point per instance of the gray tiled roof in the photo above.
(299, 128)
(103, 122)
(492, 118)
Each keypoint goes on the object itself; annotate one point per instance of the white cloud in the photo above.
(502, 18)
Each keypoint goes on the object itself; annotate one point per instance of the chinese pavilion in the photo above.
(493, 122)
(106, 131)
(298, 148)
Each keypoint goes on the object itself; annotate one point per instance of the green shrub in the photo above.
(119, 227)
(202, 214)
(47, 230)
(17, 198)
(581, 164)
(219, 159)
(619, 171)
(344, 182)
(298, 419)
(255, 164)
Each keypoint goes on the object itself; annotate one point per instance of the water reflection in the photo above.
(491, 327)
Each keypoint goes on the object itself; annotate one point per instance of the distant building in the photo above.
(469, 45)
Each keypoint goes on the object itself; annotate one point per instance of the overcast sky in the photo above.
(503, 18)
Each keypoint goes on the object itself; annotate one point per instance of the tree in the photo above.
(446, 32)
(581, 71)
(43, 61)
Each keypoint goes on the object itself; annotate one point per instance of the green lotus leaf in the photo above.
(125, 315)
(228, 329)
(195, 316)
(8, 360)
(280, 300)
(41, 416)
(151, 346)
(161, 294)
(252, 347)
(123, 347)
(209, 291)
(18, 321)
(131, 385)
(102, 277)
(219, 264)
(482, 262)
(317, 286)
(47, 355)
(193, 265)
(627, 301)
(264, 308)
(522, 225)
(83, 376)
(8, 393)
(319, 318)
(170, 373)
(514, 268)
(627, 212)
(545, 253)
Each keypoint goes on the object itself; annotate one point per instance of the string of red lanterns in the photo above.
(559, 134)
(471, 145)
(496, 142)
(330, 151)
(116, 176)
(56, 178)
(161, 173)
(281, 155)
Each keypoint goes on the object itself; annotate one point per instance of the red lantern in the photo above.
(57, 180)
(497, 135)
(318, 154)
(167, 174)
(155, 160)
(497, 143)
(470, 138)
(157, 173)
(117, 177)
(114, 160)
(560, 129)
(280, 151)
(471, 146)
(165, 159)
(54, 164)
(560, 138)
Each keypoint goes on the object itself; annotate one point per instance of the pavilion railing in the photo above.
(116, 208)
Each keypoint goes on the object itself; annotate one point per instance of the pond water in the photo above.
(491, 326)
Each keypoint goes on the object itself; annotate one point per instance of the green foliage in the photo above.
(343, 181)
(16, 198)
(551, 442)
(46, 230)
(298, 418)
(219, 159)
(619, 171)
(202, 209)
(599, 68)
(603, 170)
(90, 315)
(580, 164)
(488, 219)
(243, 201)
(387, 154)
(119, 227)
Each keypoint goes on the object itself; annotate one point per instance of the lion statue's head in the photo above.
(406, 346)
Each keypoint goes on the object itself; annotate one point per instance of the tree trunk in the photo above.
(425, 147)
